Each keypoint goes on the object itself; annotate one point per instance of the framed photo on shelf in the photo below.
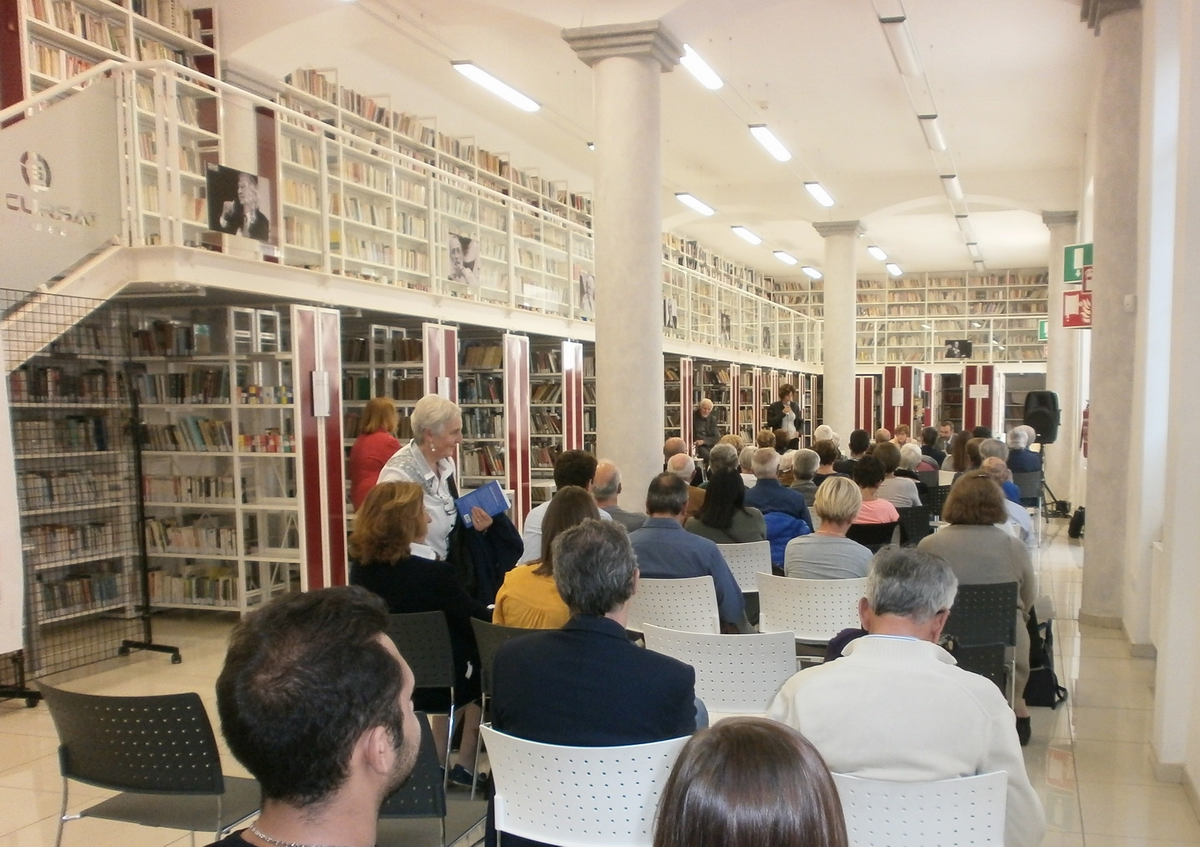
(587, 292)
(464, 253)
(670, 313)
(236, 200)
(958, 349)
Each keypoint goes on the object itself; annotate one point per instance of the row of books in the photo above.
(31, 383)
(188, 489)
(264, 395)
(50, 489)
(389, 351)
(545, 361)
(170, 535)
(479, 388)
(543, 456)
(48, 543)
(546, 392)
(173, 338)
(72, 434)
(483, 461)
(78, 592)
(397, 388)
(545, 423)
(202, 585)
(198, 385)
(483, 423)
(272, 441)
(191, 434)
(481, 356)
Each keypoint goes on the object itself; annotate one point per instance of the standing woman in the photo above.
(784, 413)
(481, 554)
(376, 443)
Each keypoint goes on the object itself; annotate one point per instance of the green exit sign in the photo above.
(1043, 329)
(1075, 258)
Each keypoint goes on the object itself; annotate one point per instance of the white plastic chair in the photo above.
(735, 674)
(578, 796)
(947, 813)
(745, 560)
(688, 604)
(815, 609)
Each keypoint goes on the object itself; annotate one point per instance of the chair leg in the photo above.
(62, 815)
(449, 744)
(483, 707)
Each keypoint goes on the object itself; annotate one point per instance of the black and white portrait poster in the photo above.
(238, 202)
(958, 349)
(464, 253)
(587, 292)
(726, 328)
(670, 313)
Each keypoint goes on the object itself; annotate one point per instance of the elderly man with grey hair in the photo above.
(684, 467)
(804, 465)
(993, 448)
(896, 707)
(606, 486)
(724, 457)
(1020, 458)
(1019, 522)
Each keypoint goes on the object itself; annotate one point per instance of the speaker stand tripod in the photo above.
(1052, 507)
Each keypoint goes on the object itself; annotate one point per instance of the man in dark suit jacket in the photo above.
(586, 684)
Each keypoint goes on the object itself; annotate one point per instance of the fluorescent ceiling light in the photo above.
(973, 249)
(900, 41)
(786, 258)
(926, 326)
(877, 253)
(933, 133)
(746, 235)
(964, 226)
(692, 203)
(979, 265)
(502, 90)
(700, 69)
(953, 186)
(976, 324)
(812, 272)
(768, 140)
(893, 269)
(819, 194)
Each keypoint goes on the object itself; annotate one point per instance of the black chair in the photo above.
(932, 479)
(1029, 490)
(873, 536)
(984, 615)
(987, 660)
(423, 639)
(937, 498)
(914, 524)
(489, 637)
(159, 752)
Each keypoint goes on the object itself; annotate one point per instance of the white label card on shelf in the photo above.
(443, 386)
(898, 396)
(320, 394)
(979, 392)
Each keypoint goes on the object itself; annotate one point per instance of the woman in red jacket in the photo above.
(376, 443)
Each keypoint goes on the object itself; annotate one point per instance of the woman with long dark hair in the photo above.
(725, 518)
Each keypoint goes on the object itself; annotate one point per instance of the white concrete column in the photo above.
(1114, 311)
(1152, 344)
(841, 279)
(1178, 583)
(627, 61)
(1062, 361)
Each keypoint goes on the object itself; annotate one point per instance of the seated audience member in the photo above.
(784, 510)
(981, 432)
(929, 446)
(528, 597)
(684, 467)
(665, 551)
(606, 486)
(746, 463)
(957, 459)
(316, 702)
(1019, 521)
(899, 491)
(902, 436)
(945, 435)
(895, 707)
(724, 457)
(825, 433)
(804, 465)
(787, 461)
(993, 448)
(868, 475)
(828, 553)
(572, 467)
(764, 438)
(913, 462)
(750, 782)
(705, 430)
(735, 441)
(827, 453)
(882, 436)
(1020, 458)
(375, 444)
(673, 447)
(980, 552)
(388, 556)
(974, 456)
(783, 442)
(724, 518)
(860, 440)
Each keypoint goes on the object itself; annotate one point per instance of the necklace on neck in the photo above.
(259, 834)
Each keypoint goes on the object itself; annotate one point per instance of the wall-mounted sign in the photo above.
(1077, 309)
(1043, 329)
(1075, 257)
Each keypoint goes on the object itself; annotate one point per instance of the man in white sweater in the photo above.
(895, 706)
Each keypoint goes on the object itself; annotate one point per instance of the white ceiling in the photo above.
(1013, 82)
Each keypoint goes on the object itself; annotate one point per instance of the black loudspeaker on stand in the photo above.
(1042, 413)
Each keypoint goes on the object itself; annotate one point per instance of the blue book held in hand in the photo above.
(489, 497)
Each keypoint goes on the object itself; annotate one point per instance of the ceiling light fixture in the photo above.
(979, 266)
(591, 145)
(893, 269)
(964, 226)
(953, 187)
(933, 133)
(976, 324)
(812, 272)
(700, 69)
(899, 39)
(819, 194)
(926, 326)
(501, 89)
(973, 249)
(768, 140)
(786, 258)
(877, 253)
(692, 203)
(746, 235)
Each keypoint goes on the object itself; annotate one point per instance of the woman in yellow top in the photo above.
(529, 598)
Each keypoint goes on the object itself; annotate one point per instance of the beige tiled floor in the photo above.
(1089, 759)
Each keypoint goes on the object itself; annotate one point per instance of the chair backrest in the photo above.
(987, 660)
(423, 639)
(984, 614)
(579, 796)
(914, 523)
(937, 498)
(1029, 484)
(814, 609)
(872, 535)
(966, 810)
(932, 479)
(423, 795)
(746, 560)
(734, 673)
(688, 604)
(489, 637)
(162, 744)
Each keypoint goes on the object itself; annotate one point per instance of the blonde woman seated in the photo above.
(828, 553)
(750, 782)
(529, 598)
(869, 474)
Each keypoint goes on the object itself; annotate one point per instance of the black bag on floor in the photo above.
(1042, 688)
(1075, 527)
